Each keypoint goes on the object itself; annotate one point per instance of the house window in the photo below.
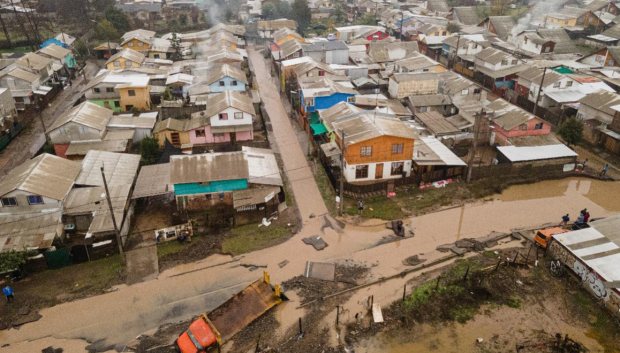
(109, 89)
(238, 115)
(131, 93)
(504, 62)
(234, 83)
(83, 129)
(565, 22)
(200, 133)
(35, 200)
(117, 104)
(351, 99)
(524, 40)
(361, 171)
(63, 130)
(222, 83)
(96, 90)
(515, 61)
(397, 168)
(9, 201)
(310, 102)
(127, 63)
(224, 116)
(397, 148)
(117, 63)
(538, 126)
(156, 56)
(296, 55)
(477, 90)
(221, 196)
(444, 33)
(209, 197)
(140, 44)
(523, 127)
(556, 85)
(321, 73)
(569, 83)
(130, 44)
(366, 151)
(580, 116)
(547, 49)
(611, 62)
(422, 109)
(464, 92)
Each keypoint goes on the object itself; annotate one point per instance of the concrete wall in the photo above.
(586, 112)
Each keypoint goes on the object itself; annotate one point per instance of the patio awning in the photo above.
(318, 129)
(42, 90)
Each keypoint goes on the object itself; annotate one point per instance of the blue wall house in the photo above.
(321, 95)
(227, 78)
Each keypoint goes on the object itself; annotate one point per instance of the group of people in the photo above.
(584, 217)
(601, 174)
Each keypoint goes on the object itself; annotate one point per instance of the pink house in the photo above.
(229, 118)
(517, 123)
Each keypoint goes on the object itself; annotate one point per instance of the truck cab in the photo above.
(543, 236)
(201, 337)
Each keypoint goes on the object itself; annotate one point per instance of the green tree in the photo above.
(12, 260)
(301, 14)
(167, 95)
(118, 19)
(572, 131)
(339, 13)
(453, 27)
(102, 5)
(284, 9)
(73, 11)
(175, 44)
(183, 20)
(81, 48)
(149, 150)
(105, 30)
(269, 11)
(368, 19)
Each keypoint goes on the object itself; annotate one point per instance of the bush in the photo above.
(149, 150)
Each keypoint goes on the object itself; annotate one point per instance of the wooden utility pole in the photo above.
(456, 53)
(118, 234)
(341, 174)
(542, 82)
(474, 146)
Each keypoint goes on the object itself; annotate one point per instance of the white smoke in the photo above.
(522, 24)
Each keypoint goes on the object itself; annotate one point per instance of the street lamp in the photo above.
(106, 37)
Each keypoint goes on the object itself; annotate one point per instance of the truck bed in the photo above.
(243, 308)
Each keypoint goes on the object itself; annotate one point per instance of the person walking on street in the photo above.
(565, 220)
(583, 165)
(8, 293)
(584, 211)
(360, 205)
(604, 171)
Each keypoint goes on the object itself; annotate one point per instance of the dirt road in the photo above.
(18, 151)
(299, 173)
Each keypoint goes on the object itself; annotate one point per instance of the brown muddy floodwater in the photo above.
(518, 206)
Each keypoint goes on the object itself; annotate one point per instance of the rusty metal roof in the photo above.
(46, 175)
(208, 167)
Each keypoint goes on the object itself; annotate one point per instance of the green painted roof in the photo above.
(563, 70)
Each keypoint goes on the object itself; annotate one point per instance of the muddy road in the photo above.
(114, 319)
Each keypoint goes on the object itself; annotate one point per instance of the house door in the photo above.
(106, 104)
(379, 171)
(176, 139)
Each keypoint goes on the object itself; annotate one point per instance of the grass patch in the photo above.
(490, 254)
(513, 302)
(377, 207)
(250, 237)
(168, 248)
(326, 189)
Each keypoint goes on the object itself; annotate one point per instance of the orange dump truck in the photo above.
(543, 236)
(209, 332)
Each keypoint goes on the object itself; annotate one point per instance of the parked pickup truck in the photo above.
(209, 332)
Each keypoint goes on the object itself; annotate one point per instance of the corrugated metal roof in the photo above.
(503, 25)
(290, 47)
(88, 200)
(229, 99)
(325, 46)
(430, 100)
(55, 51)
(226, 70)
(128, 54)
(33, 61)
(601, 100)
(430, 151)
(87, 114)
(121, 134)
(46, 175)
(23, 75)
(284, 32)
(119, 168)
(368, 125)
(80, 148)
(202, 168)
(255, 196)
(262, 166)
(437, 123)
(153, 180)
(467, 15)
(134, 122)
(277, 24)
(535, 153)
(597, 246)
(25, 231)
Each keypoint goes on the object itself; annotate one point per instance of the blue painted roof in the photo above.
(53, 41)
(214, 186)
